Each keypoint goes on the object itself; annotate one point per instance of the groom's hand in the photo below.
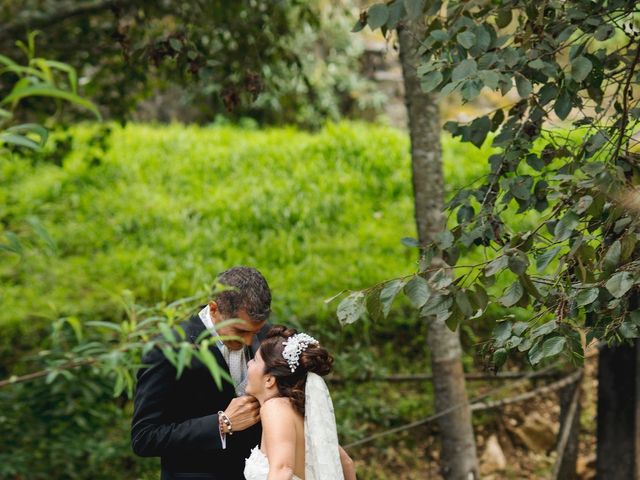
(243, 412)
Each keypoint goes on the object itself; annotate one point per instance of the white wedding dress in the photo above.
(322, 457)
(257, 466)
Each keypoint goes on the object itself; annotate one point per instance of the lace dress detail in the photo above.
(256, 466)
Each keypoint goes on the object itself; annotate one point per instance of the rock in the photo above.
(537, 433)
(586, 467)
(493, 459)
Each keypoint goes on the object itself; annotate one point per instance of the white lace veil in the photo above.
(322, 457)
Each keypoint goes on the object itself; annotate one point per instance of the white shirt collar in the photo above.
(205, 316)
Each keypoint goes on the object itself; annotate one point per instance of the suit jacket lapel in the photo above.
(194, 329)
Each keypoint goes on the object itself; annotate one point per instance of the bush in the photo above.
(164, 209)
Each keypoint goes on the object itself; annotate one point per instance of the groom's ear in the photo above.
(213, 307)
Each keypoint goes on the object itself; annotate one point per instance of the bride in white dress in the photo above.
(299, 438)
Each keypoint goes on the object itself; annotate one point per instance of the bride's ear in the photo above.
(269, 382)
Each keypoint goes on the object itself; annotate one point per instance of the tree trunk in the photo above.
(618, 416)
(458, 456)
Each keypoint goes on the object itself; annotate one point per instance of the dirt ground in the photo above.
(515, 441)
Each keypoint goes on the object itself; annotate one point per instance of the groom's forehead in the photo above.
(248, 325)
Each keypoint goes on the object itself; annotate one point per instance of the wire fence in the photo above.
(477, 403)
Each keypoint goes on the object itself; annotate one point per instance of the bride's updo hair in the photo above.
(292, 384)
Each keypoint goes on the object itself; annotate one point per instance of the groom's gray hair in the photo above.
(250, 292)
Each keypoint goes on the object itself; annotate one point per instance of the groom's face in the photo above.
(246, 328)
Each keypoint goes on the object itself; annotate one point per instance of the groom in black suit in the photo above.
(177, 419)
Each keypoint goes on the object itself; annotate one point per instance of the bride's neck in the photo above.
(266, 396)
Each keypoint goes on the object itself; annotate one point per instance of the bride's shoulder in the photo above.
(277, 407)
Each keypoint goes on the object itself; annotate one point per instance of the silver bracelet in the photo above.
(226, 422)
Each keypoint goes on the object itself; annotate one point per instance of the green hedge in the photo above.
(165, 208)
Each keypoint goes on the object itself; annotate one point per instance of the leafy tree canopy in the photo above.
(566, 163)
(266, 59)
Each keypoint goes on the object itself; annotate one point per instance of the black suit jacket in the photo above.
(177, 420)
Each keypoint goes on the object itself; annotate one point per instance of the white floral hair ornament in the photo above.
(294, 346)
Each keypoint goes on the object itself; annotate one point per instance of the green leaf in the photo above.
(206, 357)
(536, 354)
(452, 319)
(587, 296)
(166, 332)
(439, 35)
(170, 355)
(496, 265)
(47, 91)
(108, 325)
(491, 80)
(612, 257)
(377, 16)
(553, 346)
(184, 358)
(373, 305)
(430, 81)
(441, 279)
(520, 187)
(499, 358)
(537, 64)
(414, 8)
(504, 17)
(389, 293)
(410, 242)
(580, 68)
(396, 12)
(19, 141)
(547, 93)
(543, 329)
(417, 290)
(479, 297)
(358, 26)
(479, 129)
(502, 332)
(351, 308)
(29, 128)
(565, 226)
(464, 69)
(583, 204)
(39, 229)
(544, 259)
(14, 245)
(595, 141)
(523, 85)
(462, 300)
(437, 304)
(465, 214)
(621, 224)
(466, 39)
(619, 284)
(175, 44)
(604, 32)
(563, 106)
(628, 330)
(519, 328)
(444, 239)
(512, 294)
(471, 89)
(518, 263)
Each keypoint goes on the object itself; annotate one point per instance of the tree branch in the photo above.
(48, 19)
(625, 104)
